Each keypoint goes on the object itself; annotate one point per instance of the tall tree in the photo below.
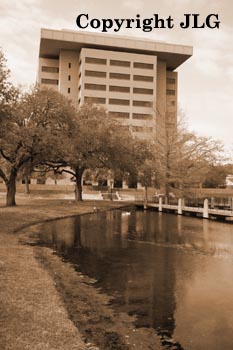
(8, 93)
(215, 176)
(183, 157)
(31, 135)
(97, 141)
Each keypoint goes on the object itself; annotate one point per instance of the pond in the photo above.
(173, 272)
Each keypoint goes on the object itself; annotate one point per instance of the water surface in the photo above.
(173, 272)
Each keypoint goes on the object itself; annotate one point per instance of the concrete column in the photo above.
(160, 204)
(180, 202)
(206, 209)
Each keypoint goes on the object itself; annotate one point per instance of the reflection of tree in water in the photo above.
(139, 275)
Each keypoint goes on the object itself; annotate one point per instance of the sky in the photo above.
(205, 80)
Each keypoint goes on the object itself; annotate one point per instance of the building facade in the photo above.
(134, 79)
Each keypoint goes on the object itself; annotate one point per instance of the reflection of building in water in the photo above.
(148, 287)
(168, 288)
(122, 254)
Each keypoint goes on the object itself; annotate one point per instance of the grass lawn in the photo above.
(44, 303)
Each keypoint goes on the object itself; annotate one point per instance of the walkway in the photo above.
(206, 212)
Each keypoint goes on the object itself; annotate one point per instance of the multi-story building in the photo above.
(133, 78)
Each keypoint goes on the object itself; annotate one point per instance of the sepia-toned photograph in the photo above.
(116, 175)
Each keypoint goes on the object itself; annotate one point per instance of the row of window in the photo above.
(171, 92)
(50, 69)
(111, 75)
(171, 81)
(137, 128)
(171, 103)
(114, 88)
(123, 89)
(121, 76)
(119, 114)
(125, 115)
(142, 116)
(118, 101)
(49, 81)
(118, 63)
(123, 102)
(112, 101)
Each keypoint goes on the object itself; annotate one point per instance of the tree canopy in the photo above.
(32, 133)
(96, 141)
(181, 158)
(43, 129)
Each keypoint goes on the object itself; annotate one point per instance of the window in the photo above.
(92, 73)
(95, 60)
(142, 116)
(143, 65)
(119, 88)
(41, 181)
(122, 128)
(68, 90)
(143, 78)
(137, 128)
(142, 103)
(49, 81)
(118, 184)
(95, 87)
(69, 77)
(143, 91)
(119, 114)
(69, 64)
(98, 100)
(50, 69)
(119, 76)
(132, 184)
(171, 81)
(116, 101)
(119, 63)
(171, 103)
(171, 92)
(171, 115)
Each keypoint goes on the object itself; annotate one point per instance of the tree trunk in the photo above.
(167, 191)
(78, 184)
(146, 195)
(27, 189)
(11, 189)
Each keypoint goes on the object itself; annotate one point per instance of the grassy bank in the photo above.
(45, 304)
